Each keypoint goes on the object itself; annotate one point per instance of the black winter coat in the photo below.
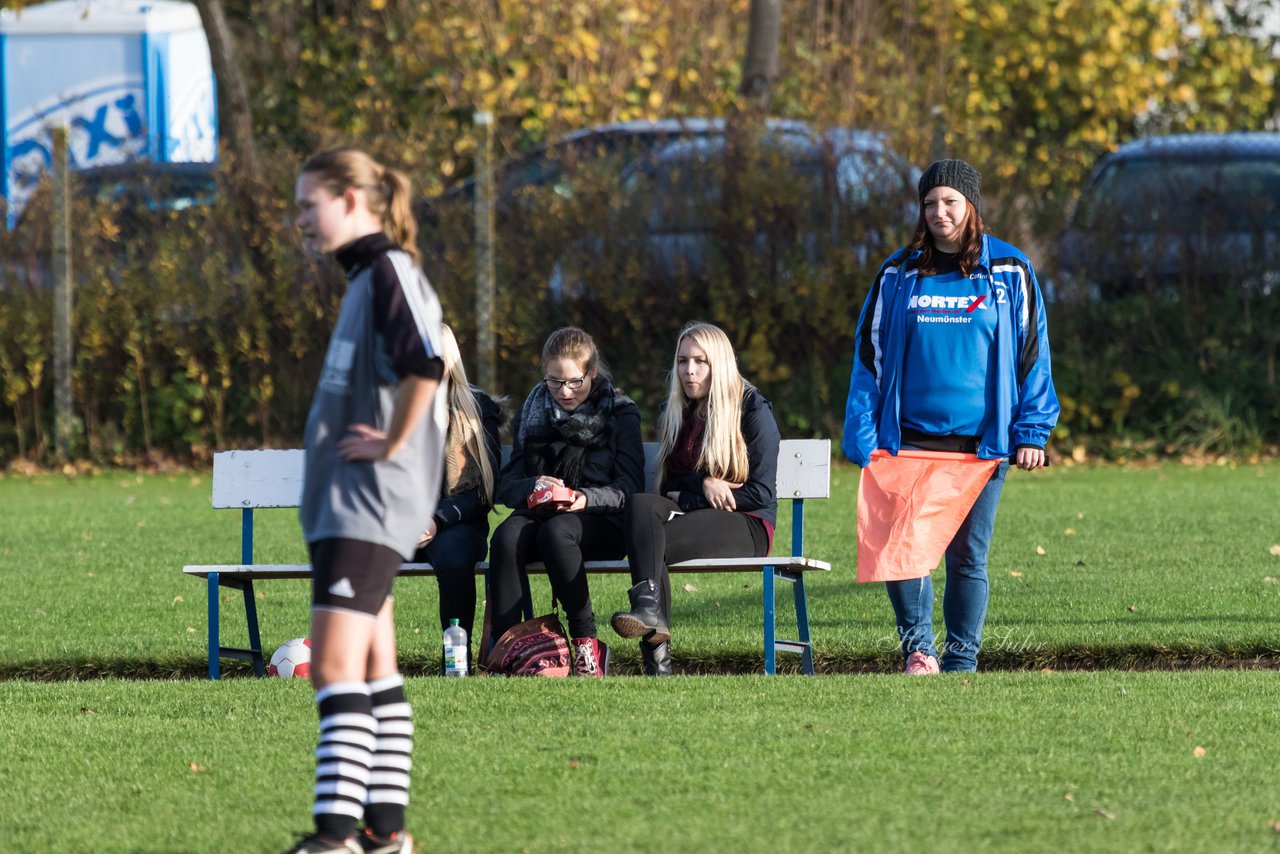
(609, 474)
(759, 495)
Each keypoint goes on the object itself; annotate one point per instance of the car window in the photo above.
(863, 177)
(686, 193)
(676, 189)
(1181, 195)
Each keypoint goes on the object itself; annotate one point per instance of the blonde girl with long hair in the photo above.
(375, 447)
(717, 497)
(456, 537)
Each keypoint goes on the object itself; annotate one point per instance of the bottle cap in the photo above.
(453, 622)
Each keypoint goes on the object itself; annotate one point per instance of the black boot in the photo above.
(656, 658)
(645, 619)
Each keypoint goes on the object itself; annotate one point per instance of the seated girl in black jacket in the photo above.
(718, 472)
(456, 537)
(577, 433)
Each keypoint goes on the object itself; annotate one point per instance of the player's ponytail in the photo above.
(398, 218)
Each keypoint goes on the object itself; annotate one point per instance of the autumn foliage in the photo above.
(181, 348)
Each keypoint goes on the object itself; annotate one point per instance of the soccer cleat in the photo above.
(590, 657)
(921, 664)
(397, 843)
(314, 843)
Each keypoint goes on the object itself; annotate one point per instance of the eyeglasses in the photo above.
(574, 384)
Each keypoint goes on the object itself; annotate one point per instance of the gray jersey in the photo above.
(386, 502)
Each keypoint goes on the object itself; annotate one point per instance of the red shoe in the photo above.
(590, 657)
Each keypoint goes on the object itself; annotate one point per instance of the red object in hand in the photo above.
(557, 495)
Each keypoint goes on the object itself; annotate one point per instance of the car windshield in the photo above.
(680, 189)
(1183, 195)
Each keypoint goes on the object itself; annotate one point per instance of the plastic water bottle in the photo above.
(455, 650)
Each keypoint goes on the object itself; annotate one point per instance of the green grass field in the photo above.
(1011, 762)
(1143, 571)
(1162, 566)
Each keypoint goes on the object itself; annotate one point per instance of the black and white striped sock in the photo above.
(392, 756)
(343, 756)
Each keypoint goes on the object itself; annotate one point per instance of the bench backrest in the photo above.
(251, 479)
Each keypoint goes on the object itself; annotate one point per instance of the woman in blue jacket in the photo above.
(952, 354)
(717, 497)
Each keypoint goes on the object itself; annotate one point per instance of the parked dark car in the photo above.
(150, 185)
(141, 198)
(1165, 214)
(800, 193)
(556, 165)
(644, 202)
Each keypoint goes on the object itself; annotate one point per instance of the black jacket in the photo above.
(759, 495)
(609, 474)
(469, 507)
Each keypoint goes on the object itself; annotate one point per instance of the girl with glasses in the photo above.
(577, 433)
(717, 471)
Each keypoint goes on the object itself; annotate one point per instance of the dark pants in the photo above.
(655, 539)
(454, 553)
(563, 542)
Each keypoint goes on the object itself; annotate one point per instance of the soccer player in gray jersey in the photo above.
(375, 448)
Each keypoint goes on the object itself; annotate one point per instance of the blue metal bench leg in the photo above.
(802, 624)
(255, 641)
(215, 644)
(770, 627)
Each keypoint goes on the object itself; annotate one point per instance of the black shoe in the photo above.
(645, 619)
(314, 843)
(656, 658)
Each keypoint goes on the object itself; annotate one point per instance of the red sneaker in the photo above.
(590, 657)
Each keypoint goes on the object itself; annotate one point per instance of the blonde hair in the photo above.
(465, 425)
(724, 449)
(388, 190)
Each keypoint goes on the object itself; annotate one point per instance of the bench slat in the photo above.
(247, 479)
(273, 478)
(302, 570)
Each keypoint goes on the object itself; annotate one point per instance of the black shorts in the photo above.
(352, 575)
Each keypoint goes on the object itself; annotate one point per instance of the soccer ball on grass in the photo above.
(293, 658)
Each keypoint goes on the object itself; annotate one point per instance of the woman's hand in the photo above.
(719, 493)
(579, 502)
(545, 480)
(362, 442)
(674, 495)
(1030, 459)
(428, 534)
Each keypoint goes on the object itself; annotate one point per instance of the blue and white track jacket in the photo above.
(1025, 402)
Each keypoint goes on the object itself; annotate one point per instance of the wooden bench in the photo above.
(254, 480)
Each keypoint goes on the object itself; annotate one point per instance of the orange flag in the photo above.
(909, 508)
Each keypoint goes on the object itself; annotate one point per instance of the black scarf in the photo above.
(556, 442)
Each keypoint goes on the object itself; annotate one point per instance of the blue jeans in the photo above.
(964, 601)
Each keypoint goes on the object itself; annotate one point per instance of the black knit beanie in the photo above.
(955, 174)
